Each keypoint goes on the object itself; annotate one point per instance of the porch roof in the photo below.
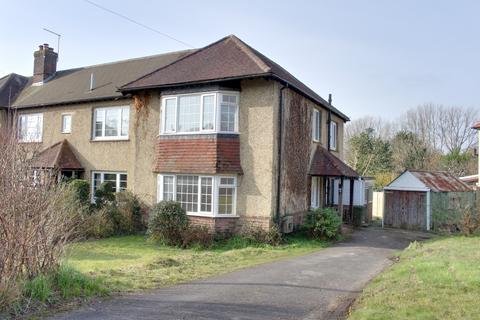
(324, 163)
(57, 156)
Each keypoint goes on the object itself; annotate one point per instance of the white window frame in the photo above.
(216, 124)
(215, 186)
(63, 123)
(27, 139)
(119, 125)
(102, 179)
(315, 192)
(316, 125)
(333, 135)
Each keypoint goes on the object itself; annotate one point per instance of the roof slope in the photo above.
(10, 87)
(324, 163)
(73, 85)
(58, 156)
(227, 59)
(440, 181)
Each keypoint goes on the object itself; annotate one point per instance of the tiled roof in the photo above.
(10, 87)
(324, 163)
(209, 154)
(58, 156)
(73, 85)
(227, 59)
(440, 181)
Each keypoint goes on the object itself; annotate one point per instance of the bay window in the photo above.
(200, 195)
(30, 127)
(200, 113)
(111, 123)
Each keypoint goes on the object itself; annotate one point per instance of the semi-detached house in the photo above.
(223, 130)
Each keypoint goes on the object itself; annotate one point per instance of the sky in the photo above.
(377, 58)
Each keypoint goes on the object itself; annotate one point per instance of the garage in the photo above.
(424, 200)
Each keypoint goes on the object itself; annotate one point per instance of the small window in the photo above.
(67, 123)
(117, 180)
(111, 123)
(315, 192)
(316, 125)
(30, 127)
(333, 135)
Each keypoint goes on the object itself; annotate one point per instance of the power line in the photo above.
(137, 23)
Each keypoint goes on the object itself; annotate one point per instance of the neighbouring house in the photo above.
(426, 200)
(223, 130)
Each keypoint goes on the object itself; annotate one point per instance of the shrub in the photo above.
(97, 224)
(254, 235)
(104, 195)
(195, 235)
(80, 190)
(132, 212)
(322, 224)
(469, 223)
(167, 222)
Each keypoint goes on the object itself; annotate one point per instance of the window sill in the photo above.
(110, 140)
(209, 215)
(195, 133)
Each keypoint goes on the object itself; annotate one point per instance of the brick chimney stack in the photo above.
(44, 64)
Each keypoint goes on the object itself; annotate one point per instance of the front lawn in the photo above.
(131, 263)
(437, 279)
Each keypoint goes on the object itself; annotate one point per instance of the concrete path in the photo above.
(317, 286)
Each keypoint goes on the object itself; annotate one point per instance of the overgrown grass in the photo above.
(438, 279)
(64, 284)
(132, 263)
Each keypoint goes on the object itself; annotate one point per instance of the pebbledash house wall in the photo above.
(258, 103)
(298, 149)
(133, 156)
(3, 119)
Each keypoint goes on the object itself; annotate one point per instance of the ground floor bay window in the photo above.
(200, 195)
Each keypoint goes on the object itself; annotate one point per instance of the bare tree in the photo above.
(37, 218)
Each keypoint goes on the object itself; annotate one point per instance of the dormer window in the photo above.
(200, 113)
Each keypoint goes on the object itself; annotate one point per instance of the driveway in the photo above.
(317, 286)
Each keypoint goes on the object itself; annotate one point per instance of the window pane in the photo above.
(66, 123)
(111, 178)
(187, 192)
(208, 112)
(188, 114)
(168, 188)
(30, 128)
(99, 120)
(227, 181)
(206, 195)
(125, 121)
(225, 200)
(170, 105)
(97, 180)
(123, 182)
(227, 117)
(112, 121)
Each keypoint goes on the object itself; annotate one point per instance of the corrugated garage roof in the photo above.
(440, 181)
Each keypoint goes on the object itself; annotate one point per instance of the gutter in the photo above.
(279, 154)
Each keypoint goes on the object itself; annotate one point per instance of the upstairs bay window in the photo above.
(200, 113)
(200, 195)
(30, 127)
(111, 123)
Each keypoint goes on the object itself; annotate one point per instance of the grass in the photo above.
(437, 279)
(132, 263)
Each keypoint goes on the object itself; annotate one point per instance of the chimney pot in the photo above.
(44, 64)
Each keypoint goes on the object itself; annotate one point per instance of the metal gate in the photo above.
(405, 209)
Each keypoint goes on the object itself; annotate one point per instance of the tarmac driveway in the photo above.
(316, 286)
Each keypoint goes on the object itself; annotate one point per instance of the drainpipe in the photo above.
(329, 121)
(279, 154)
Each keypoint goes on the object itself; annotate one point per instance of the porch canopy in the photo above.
(325, 164)
(57, 157)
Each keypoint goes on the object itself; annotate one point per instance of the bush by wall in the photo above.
(322, 223)
(167, 222)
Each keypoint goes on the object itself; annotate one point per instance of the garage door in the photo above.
(405, 209)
